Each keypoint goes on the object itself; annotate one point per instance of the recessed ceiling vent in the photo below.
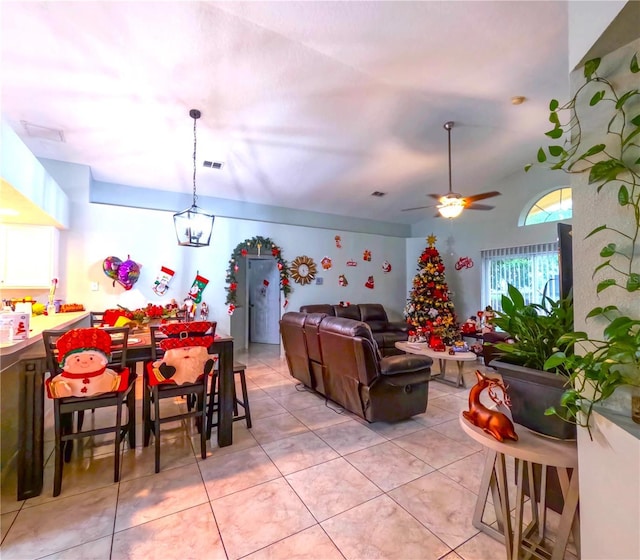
(213, 164)
(36, 131)
(378, 194)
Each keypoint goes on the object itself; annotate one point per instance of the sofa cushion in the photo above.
(373, 312)
(318, 308)
(348, 312)
(377, 326)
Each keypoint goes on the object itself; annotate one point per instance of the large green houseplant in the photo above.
(537, 332)
(597, 366)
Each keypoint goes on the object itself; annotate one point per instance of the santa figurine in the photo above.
(84, 355)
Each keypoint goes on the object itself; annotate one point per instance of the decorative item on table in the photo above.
(369, 283)
(342, 281)
(83, 355)
(386, 267)
(469, 326)
(71, 307)
(51, 308)
(436, 343)
(344, 304)
(198, 286)
(14, 326)
(489, 315)
(189, 307)
(460, 346)
(413, 337)
(161, 284)
(493, 422)
(204, 311)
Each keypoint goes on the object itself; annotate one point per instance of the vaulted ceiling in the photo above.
(308, 105)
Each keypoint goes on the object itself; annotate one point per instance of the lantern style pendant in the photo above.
(193, 225)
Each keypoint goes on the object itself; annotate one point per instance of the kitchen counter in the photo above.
(22, 405)
(37, 325)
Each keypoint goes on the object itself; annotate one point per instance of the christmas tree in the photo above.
(429, 308)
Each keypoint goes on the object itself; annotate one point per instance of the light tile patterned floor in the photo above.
(308, 481)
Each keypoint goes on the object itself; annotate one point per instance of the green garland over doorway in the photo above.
(255, 246)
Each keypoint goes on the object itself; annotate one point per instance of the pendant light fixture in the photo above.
(193, 225)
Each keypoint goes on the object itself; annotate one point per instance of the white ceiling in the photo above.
(310, 105)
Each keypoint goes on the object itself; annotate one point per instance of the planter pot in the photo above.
(531, 392)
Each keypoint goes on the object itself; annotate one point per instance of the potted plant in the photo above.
(598, 365)
(537, 332)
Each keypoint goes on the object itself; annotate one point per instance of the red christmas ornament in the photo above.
(244, 252)
(275, 251)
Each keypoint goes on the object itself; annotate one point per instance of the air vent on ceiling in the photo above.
(36, 131)
(213, 164)
(378, 193)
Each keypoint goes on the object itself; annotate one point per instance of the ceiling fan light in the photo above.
(452, 208)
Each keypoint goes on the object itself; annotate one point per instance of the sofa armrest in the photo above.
(404, 364)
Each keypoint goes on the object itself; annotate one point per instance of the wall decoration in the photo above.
(125, 273)
(366, 256)
(338, 242)
(342, 280)
(326, 263)
(369, 283)
(161, 284)
(352, 262)
(198, 286)
(248, 246)
(464, 262)
(386, 267)
(303, 270)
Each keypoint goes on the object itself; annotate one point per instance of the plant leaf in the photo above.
(631, 136)
(625, 98)
(527, 167)
(556, 151)
(608, 250)
(600, 266)
(623, 195)
(635, 120)
(633, 66)
(606, 170)
(605, 284)
(555, 133)
(599, 228)
(553, 105)
(590, 67)
(541, 156)
(553, 117)
(633, 282)
(597, 97)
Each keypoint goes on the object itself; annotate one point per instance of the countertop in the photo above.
(39, 323)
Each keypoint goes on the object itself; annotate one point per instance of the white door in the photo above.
(263, 280)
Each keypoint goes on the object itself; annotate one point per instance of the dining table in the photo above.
(139, 350)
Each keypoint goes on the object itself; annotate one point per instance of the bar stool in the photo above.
(239, 370)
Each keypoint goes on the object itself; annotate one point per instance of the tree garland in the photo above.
(254, 246)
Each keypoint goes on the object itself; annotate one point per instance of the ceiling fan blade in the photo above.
(482, 196)
(478, 207)
(436, 196)
(417, 208)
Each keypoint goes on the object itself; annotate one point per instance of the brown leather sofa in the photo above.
(386, 333)
(338, 358)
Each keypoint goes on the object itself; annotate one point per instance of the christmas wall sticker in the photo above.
(366, 256)
(352, 262)
(386, 267)
(369, 283)
(338, 242)
(342, 280)
(464, 262)
(326, 263)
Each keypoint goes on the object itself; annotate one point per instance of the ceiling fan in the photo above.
(452, 204)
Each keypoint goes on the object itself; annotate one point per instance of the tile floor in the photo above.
(308, 481)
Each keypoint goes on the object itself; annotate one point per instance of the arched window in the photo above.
(551, 207)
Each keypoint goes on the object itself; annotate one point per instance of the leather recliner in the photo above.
(343, 364)
(386, 333)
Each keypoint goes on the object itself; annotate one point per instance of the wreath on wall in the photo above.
(255, 246)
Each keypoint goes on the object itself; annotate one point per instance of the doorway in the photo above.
(263, 296)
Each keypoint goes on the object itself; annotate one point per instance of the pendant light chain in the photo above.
(195, 197)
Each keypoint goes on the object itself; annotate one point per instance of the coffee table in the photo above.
(422, 348)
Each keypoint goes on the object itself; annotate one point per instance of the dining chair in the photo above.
(87, 370)
(96, 318)
(180, 366)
